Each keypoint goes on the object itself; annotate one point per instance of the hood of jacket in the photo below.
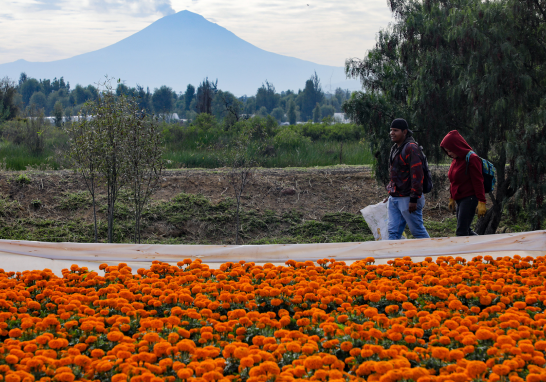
(455, 143)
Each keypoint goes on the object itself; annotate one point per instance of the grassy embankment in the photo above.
(193, 219)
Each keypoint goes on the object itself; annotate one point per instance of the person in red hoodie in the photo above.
(466, 182)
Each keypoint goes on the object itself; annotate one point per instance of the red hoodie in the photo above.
(463, 184)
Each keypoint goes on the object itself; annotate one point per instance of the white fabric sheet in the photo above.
(28, 255)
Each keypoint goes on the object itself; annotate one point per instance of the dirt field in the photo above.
(55, 199)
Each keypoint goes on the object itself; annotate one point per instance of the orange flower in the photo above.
(383, 367)
(12, 359)
(475, 368)
(312, 363)
(114, 336)
(440, 352)
(501, 369)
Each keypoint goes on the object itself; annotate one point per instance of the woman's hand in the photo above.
(451, 206)
(481, 209)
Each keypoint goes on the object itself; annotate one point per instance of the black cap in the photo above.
(400, 124)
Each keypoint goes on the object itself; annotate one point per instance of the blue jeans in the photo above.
(399, 216)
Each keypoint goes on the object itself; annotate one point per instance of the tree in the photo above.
(22, 78)
(39, 100)
(228, 107)
(317, 115)
(467, 65)
(28, 88)
(278, 114)
(124, 149)
(121, 89)
(327, 111)
(58, 113)
(205, 93)
(266, 97)
(144, 99)
(311, 95)
(110, 121)
(8, 109)
(188, 96)
(46, 86)
(144, 154)
(85, 154)
(163, 100)
(241, 155)
(292, 112)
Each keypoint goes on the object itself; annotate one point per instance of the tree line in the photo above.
(55, 98)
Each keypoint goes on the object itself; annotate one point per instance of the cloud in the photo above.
(325, 32)
(48, 5)
(138, 8)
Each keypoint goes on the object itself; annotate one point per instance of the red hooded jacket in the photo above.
(463, 184)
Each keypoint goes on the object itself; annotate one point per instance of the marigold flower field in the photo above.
(433, 321)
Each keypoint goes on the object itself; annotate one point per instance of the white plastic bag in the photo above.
(377, 218)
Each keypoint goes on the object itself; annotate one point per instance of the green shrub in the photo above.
(23, 179)
(289, 137)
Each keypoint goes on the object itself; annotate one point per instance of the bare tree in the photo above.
(144, 153)
(85, 157)
(242, 156)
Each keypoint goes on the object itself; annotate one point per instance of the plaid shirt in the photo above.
(406, 171)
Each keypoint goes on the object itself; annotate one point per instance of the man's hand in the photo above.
(412, 207)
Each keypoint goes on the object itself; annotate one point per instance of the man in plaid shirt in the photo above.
(406, 199)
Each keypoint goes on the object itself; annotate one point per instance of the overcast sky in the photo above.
(325, 32)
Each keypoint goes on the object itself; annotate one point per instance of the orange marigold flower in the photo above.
(440, 352)
(114, 336)
(312, 363)
(475, 368)
(247, 362)
(65, 377)
(501, 369)
(119, 377)
(383, 367)
(12, 359)
(97, 353)
(346, 346)
(15, 333)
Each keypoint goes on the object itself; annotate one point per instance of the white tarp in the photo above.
(28, 255)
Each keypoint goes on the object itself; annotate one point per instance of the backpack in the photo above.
(488, 170)
(427, 176)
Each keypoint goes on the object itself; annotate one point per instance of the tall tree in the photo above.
(317, 115)
(267, 97)
(163, 100)
(188, 96)
(292, 112)
(311, 95)
(8, 109)
(205, 93)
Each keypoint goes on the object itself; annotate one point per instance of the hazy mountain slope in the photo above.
(180, 49)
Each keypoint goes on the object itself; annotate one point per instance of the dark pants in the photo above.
(466, 209)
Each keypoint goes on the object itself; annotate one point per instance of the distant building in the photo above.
(341, 118)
